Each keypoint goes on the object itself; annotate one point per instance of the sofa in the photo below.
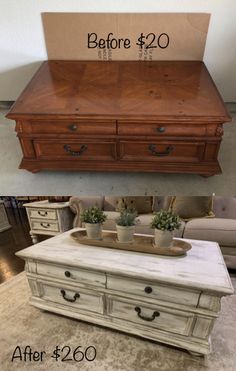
(219, 227)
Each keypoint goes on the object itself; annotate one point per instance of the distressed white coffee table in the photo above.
(174, 300)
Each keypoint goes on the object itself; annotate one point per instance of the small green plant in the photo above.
(165, 221)
(127, 218)
(93, 215)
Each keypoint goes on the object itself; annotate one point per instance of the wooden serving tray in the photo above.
(141, 243)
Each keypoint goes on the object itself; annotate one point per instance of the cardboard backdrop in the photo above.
(125, 36)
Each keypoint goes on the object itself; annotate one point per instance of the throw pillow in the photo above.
(192, 207)
(142, 204)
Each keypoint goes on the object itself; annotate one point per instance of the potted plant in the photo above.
(125, 225)
(93, 218)
(164, 222)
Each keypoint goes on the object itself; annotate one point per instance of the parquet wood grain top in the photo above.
(178, 91)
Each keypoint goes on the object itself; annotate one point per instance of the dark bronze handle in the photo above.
(77, 295)
(148, 290)
(161, 129)
(73, 127)
(67, 274)
(45, 225)
(152, 148)
(42, 213)
(154, 315)
(68, 149)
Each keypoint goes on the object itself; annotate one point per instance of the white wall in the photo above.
(22, 43)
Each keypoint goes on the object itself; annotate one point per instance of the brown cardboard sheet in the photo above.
(95, 36)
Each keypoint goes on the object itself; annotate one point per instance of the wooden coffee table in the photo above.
(173, 300)
(121, 116)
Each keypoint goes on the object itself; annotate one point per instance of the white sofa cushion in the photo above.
(220, 230)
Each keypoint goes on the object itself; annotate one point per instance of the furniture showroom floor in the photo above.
(15, 181)
(22, 324)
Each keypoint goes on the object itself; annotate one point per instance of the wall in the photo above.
(22, 43)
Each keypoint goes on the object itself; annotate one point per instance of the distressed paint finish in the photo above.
(48, 218)
(180, 309)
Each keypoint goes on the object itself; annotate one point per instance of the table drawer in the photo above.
(71, 274)
(158, 317)
(42, 214)
(161, 129)
(44, 225)
(72, 297)
(162, 151)
(75, 150)
(155, 291)
(85, 127)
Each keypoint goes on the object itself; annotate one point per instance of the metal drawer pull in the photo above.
(73, 127)
(68, 149)
(63, 293)
(44, 225)
(148, 290)
(67, 274)
(161, 129)
(153, 149)
(42, 213)
(154, 315)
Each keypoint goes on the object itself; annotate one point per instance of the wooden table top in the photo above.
(202, 268)
(178, 91)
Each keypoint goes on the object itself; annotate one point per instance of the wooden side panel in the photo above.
(203, 327)
(209, 302)
(27, 147)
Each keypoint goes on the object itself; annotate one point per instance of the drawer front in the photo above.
(72, 297)
(75, 150)
(71, 274)
(42, 214)
(74, 127)
(162, 151)
(161, 129)
(154, 291)
(45, 225)
(157, 316)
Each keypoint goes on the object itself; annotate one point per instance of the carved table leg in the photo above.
(34, 238)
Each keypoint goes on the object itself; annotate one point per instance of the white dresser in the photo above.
(174, 300)
(48, 218)
(4, 223)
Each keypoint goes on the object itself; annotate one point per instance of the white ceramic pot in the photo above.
(125, 234)
(94, 231)
(163, 238)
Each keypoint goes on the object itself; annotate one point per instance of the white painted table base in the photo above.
(174, 300)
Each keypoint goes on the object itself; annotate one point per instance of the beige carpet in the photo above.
(22, 324)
